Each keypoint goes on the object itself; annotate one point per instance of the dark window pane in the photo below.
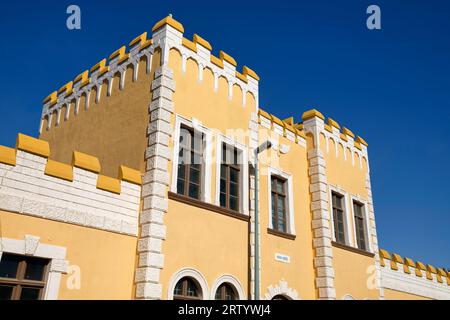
(223, 185)
(35, 269)
(234, 203)
(274, 204)
(6, 292)
(180, 186)
(234, 175)
(29, 294)
(223, 200)
(178, 289)
(181, 171)
(194, 175)
(274, 184)
(191, 289)
(194, 191)
(234, 189)
(8, 266)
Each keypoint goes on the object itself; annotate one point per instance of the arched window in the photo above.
(226, 292)
(187, 289)
(279, 297)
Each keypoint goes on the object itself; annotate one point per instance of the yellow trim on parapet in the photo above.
(311, 114)
(130, 175)
(33, 145)
(226, 57)
(216, 61)
(121, 53)
(333, 123)
(169, 21)
(7, 156)
(85, 161)
(347, 132)
(362, 141)
(108, 184)
(241, 77)
(59, 170)
(83, 77)
(249, 72)
(139, 39)
(52, 98)
(189, 44)
(202, 42)
(67, 88)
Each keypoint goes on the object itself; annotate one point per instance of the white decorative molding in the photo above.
(348, 297)
(398, 280)
(26, 189)
(32, 247)
(335, 136)
(281, 289)
(31, 244)
(233, 281)
(191, 273)
(322, 235)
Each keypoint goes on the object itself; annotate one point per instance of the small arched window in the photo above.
(187, 289)
(279, 297)
(226, 292)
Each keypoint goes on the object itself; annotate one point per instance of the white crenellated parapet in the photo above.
(87, 81)
(413, 277)
(33, 185)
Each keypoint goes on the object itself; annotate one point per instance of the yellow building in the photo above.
(144, 184)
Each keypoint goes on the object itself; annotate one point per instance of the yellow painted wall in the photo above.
(198, 99)
(350, 267)
(107, 260)
(299, 273)
(397, 295)
(114, 130)
(212, 243)
(352, 273)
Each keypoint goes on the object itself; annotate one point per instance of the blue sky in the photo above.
(390, 86)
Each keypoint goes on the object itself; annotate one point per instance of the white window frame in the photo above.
(189, 273)
(196, 125)
(366, 221)
(349, 240)
(243, 188)
(226, 278)
(271, 171)
(31, 246)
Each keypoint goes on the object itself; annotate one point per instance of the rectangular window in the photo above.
(230, 176)
(22, 278)
(279, 214)
(338, 217)
(360, 225)
(190, 163)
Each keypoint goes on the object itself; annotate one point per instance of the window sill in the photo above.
(351, 249)
(281, 234)
(208, 206)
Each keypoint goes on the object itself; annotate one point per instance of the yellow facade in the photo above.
(97, 194)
